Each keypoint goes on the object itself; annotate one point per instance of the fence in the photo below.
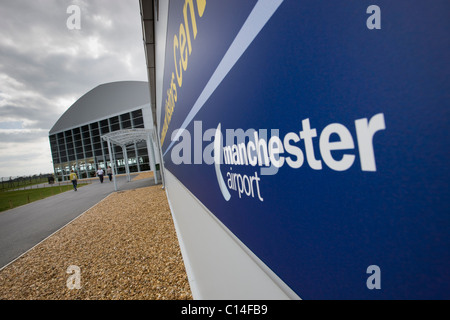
(24, 181)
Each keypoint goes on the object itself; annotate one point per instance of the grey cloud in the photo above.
(12, 136)
(31, 118)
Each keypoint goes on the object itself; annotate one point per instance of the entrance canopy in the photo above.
(126, 137)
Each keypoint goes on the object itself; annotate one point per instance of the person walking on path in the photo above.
(100, 174)
(109, 173)
(74, 178)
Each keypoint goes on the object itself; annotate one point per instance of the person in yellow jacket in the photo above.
(73, 177)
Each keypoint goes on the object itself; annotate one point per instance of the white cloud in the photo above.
(24, 152)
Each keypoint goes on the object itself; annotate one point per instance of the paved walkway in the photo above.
(23, 227)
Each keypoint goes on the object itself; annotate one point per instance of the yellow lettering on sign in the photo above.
(183, 49)
(181, 53)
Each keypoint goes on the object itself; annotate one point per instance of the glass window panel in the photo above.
(138, 122)
(105, 130)
(136, 114)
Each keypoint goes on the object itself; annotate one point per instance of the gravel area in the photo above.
(125, 248)
(144, 175)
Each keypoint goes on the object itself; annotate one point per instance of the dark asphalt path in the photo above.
(23, 227)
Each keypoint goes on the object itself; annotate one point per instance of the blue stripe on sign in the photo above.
(260, 15)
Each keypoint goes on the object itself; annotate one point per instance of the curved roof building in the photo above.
(109, 98)
(75, 139)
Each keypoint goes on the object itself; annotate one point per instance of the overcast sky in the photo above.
(45, 67)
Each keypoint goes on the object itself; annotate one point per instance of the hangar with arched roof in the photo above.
(75, 139)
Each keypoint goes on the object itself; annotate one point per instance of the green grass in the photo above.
(13, 199)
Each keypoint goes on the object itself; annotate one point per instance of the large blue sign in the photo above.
(317, 132)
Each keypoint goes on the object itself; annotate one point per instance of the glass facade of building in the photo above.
(82, 149)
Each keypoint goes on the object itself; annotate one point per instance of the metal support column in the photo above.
(125, 159)
(113, 164)
(152, 156)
